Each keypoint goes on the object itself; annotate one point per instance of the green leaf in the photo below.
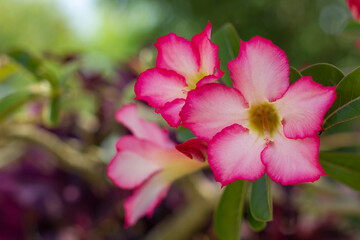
(347, 104)
(184, 134)
(353, 27)
(54, 110)
(343, 167)
(324, 73)
(229, 213)
(228, 41)
(6, 71)
(294, 75)
(12, 102)
(34, 66)
(255, 224)
(29, 62)
(261, 199)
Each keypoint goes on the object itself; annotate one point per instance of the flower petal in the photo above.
(177, 54)
(211, 108)
(128, 116)
(208, 51)
(234, 154)
(194, 148)
(170, 112)
(354, 6)
(145, 199)
(129, 169)
(303, 107)
(292, 161)
(261, 71)
(158, 86)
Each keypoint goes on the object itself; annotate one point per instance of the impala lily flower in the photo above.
(354, 6)
(148, 162)
(181, 66)
(261, 125)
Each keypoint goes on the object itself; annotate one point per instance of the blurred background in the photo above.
(66, 66)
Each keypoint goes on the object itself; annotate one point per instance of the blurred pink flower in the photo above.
(148, 162)
(354, 6)
(181, 66)
(260, 125)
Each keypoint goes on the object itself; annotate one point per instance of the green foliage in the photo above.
(255, 224)
(324, 73)
(12, 102)
(294, 75)
(343, 167)
(229, 45)
(229, 213)
(347, 104)
(261, 199)
(183, 134)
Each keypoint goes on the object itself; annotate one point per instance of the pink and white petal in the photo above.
(208, 51)
(261, 71)
(354, 6)
(211, 108)
(177, 54)
(158, 86)
(170, 112)
(129, 169)
(303, 107)
(144, 200)
(292, 161)
(207, 80)
(142, 147)
(234, 154)
(128, 116)
(194, 148)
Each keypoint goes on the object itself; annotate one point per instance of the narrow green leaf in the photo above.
(34, 66)
(12, 102)
(228, 41)
(230, 211)
(54, 110)
(324, 73)
(261, 199)
(294, 75)
(255, 224)
(342, 167)
(27, 61)
(347, 104)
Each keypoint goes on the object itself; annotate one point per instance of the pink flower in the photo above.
(148, 162)
(354, 6)
(181, 66)
(260, 125)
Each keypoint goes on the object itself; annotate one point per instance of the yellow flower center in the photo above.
(263, 119)
(193, 80)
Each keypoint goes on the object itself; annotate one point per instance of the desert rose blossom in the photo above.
(148, 162)
(354, 6)
(260, 125)
(181, 66)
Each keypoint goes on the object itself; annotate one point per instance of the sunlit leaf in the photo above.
(54, 110)
(261, 199)
(347, 104)
(294, 75)
(229, 213)
(352, 26)
(255, 224)
(13, 102)
(6, 71)
(228, 41)
(324, 73)
(343, 167)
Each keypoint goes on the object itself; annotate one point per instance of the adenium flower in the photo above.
(260, 125)
(181, 66)
(148, 162)
(354, 6)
